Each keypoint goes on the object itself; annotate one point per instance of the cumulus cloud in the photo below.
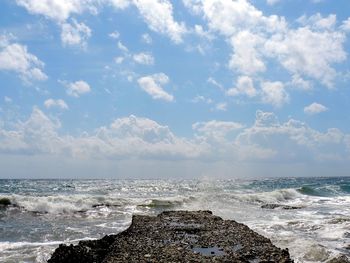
(230, 17)
(319, 22)
(244, 86)
(75, 34)
(152, 84)
(75, 89)
(315, 108)
(56, 9)
(143, 58)
(15, 57)
(37, 135)
(216, 129)
(274, 93)
(293, 140)
(158, 14)
(59, 103)
(308, 51)
(139, 138)
(124, 138)
(246, 58)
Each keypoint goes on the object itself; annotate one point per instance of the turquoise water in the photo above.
(49, 212)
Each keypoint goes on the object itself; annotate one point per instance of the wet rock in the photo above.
(286, 207)
(340, 259)
(176, 236)
(4, 202)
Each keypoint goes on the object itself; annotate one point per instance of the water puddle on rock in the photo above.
(209, 251)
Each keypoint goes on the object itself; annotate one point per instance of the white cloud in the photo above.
(75, 89)
(159, 16)
(244, 86)
(318, 22)
(118, 60)
(216, 129)
(114, 35)
(315, 108)
(15, 57)
(120, 4)
(293, 141)
(124, 138)
(35, 136)
(153, 86)
(198, 29)
(203, 99)
(300, 83)
(75, 34)
(132, 137)
(274, 93)
(58, 10)
(265, 119)
(230, 17)
(122, 47)
(310, 53)
(5, 40)
(146, 38)
(221, 106)
(246, 59)
(346, 25)
(51, 103)
(256, 39)
(143, 58)
(212, 81)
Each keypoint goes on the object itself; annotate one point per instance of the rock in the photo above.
(4, 202)
(176, 236)
(340, 259)
(286, 207)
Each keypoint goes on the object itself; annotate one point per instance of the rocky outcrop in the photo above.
(4, 202)
(340, 259)
(176, 236)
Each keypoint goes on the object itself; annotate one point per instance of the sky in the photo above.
(174, 89)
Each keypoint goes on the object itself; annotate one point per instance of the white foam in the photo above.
(17, 245)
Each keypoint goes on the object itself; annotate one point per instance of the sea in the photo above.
(47, 213)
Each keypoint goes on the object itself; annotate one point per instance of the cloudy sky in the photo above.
(188, 88)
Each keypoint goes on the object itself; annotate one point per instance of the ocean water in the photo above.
(50, 212)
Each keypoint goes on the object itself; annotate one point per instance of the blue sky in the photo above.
(159, 88)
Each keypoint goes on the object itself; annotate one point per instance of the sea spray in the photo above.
(48, 212)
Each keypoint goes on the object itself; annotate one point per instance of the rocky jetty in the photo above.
(176, 236)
